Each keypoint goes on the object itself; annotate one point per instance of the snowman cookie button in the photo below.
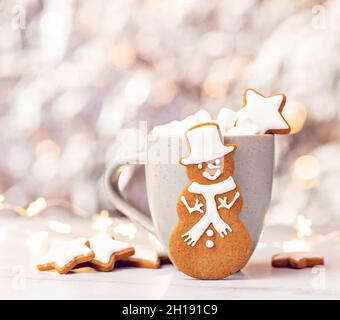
(209, 243)
(210, 233)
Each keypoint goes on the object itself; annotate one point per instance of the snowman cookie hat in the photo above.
(205, 144)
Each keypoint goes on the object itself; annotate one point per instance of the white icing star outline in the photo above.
(108, 251)
(264, 112)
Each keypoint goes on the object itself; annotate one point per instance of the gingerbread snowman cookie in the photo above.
(209, 240)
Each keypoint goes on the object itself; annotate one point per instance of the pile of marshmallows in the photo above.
(228, 120)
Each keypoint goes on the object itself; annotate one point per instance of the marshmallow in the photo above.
(203, 116)
(244, 127)
(226, 118)
(184, 125)
(230, 123)
(190, 121)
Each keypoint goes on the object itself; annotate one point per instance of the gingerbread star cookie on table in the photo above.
(66, 256)
(262, 114)
(108, 251)
(143, 258)
(297, 260)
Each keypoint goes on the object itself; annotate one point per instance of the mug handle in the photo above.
(111, 186)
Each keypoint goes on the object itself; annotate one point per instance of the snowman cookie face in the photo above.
(212, 171)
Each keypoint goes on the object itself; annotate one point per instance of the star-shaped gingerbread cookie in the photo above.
(143, 258)
(66, 256)
(297, 260)
(108, 251)
(262, 112)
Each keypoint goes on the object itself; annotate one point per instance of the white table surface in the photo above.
(19, 278)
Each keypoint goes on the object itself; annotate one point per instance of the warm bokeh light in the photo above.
(102, 222)
(296, 246)
(36, 207)
(34, 241)
(123, 54)
(48, 147)
(305, 171)
(295, 114)
(59, 227)
(163, 93)
(215, 85)
(303, 227)
(125, 229)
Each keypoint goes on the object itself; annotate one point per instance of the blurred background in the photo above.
(76, 76)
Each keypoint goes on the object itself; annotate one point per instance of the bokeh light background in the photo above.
(75, 75)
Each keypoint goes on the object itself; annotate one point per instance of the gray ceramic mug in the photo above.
(165, 179)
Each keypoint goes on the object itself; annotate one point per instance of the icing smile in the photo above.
(215, 176)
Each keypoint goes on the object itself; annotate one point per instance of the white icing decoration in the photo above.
(146, 254)
(104, 246)
(224, 204)
(203, 116)
(200, 166)
(263, 112)
(226, 118)
(297, 255)
(210, 233)
(212, 166)
(184, 125)
(196, 207)
(175, 128)
(205, 145)
(210, 177)
(211, 215)
(209, 244)
(64, 253)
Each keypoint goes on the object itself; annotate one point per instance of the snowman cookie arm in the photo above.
(197, 206)
(228, 200)
(192, 191)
